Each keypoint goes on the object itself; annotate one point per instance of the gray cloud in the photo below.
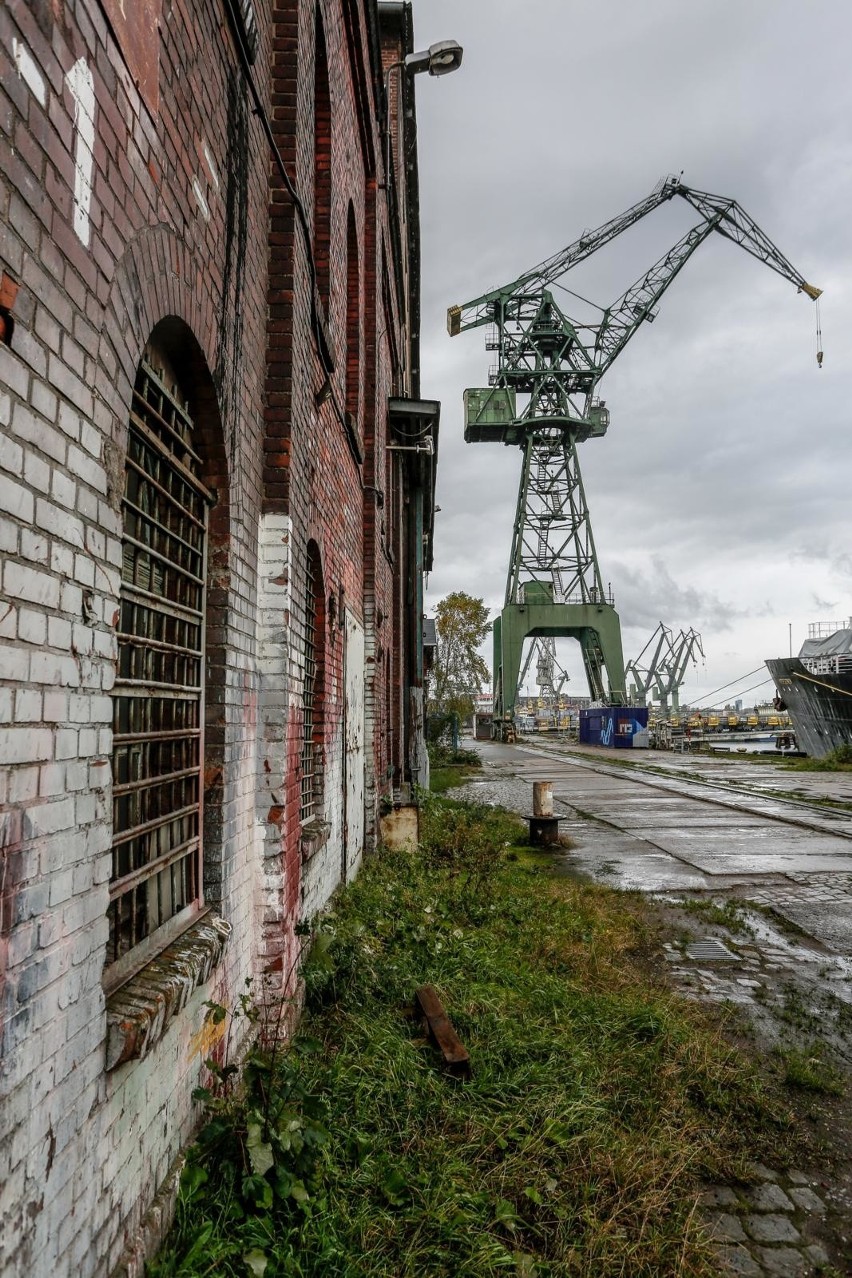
(721, 492)
(646, 597)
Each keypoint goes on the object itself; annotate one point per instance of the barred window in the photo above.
(158, 698)
(311, 790)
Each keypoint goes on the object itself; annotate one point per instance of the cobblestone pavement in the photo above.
(763, 885)
(765, 1228)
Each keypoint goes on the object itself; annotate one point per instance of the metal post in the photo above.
(543, 798)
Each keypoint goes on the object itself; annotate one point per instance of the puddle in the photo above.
(774, 942)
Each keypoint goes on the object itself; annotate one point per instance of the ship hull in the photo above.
(820, 706)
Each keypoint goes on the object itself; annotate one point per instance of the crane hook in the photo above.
(818, 334)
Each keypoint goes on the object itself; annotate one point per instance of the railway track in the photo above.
(800, 813)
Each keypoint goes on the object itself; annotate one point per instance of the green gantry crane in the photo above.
(554, 586)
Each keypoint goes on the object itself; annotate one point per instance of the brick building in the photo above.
(216, 495)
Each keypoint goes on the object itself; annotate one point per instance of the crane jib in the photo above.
(743, 231)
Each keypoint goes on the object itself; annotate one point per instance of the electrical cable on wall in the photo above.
(302, 218)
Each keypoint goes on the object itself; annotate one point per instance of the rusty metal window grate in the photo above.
(309, 754)
(156, 884)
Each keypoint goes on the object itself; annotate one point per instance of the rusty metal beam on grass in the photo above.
(429, 1009)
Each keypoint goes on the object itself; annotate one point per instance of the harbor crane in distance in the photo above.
(554, 586)
(550, 676)
(661, 674)
(673, 670)
(646, 670)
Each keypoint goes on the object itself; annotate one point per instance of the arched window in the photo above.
(156, 885)
(353, 317)
(314, 688)
(322, 164)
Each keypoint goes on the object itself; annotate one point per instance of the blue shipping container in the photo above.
(621, 727)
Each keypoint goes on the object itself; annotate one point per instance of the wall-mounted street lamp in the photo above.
(438, 59)
(427, 447)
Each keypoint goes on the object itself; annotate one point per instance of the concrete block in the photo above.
(400, 828)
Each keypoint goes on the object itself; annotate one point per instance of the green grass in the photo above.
(598, 1102)
(449, 768)
(730, 914)
(839, 760)
(811, 1072)
(443, 777)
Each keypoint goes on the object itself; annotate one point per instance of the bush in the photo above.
(442, 756)
(839, 760)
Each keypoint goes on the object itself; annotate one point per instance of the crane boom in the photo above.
(736, 225)
(481, 310)
(720, 213)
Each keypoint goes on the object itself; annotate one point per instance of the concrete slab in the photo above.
(714, 826)
(829, 922)
(657, 827)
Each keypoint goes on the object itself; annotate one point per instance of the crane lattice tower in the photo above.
(554, 586)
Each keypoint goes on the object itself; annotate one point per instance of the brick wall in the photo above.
(331, 476)
(140, 212)
(174, 226)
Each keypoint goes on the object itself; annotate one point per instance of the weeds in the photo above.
(839, 760)
(800, 1015)
(809, 1071)
(730, 914)
(449, 768)
(598, 1102)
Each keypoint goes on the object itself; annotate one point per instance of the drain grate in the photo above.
(710, 950)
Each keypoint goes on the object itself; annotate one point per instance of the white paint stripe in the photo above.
(82, 86)
(199, 195)
(211, 167)
(29, 72)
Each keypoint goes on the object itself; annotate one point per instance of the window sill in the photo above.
(139, 1013)
(314, 836)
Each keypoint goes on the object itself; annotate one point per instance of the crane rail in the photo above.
(684, 787)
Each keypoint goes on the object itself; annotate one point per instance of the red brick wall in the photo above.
(312, 473)
(177, 229)
(188, 230)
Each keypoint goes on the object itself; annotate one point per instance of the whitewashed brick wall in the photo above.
(83, 1148)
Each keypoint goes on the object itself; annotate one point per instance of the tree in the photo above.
(459, 672)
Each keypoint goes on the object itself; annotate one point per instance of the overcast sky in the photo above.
(720, 496)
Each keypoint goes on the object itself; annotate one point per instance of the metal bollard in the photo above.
(544, 826)
(543, 798)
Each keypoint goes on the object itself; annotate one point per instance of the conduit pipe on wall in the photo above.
(323, 346)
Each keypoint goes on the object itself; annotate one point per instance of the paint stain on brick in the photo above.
(205, 1040)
